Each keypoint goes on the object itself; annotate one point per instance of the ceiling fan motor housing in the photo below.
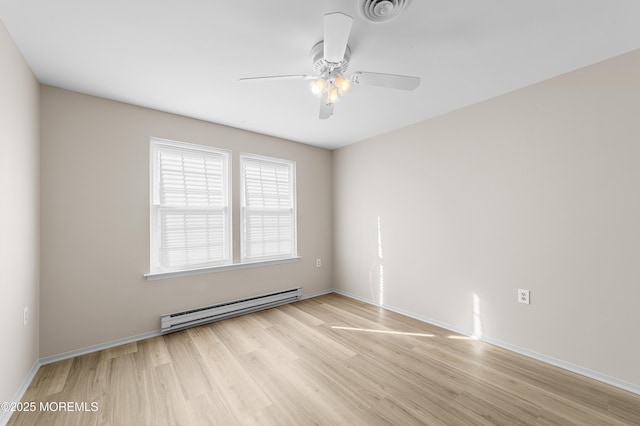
(321, 65)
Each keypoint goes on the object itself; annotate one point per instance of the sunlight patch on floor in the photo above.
(457, 337)
(368, 330)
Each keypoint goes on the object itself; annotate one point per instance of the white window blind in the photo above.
(268, 217)
(190, 217)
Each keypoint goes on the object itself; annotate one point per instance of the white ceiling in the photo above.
(186, 56)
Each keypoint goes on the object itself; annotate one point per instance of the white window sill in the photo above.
(152, 276)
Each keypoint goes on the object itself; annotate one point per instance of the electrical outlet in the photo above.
(318, 263)
(523, 296)
(25, 314)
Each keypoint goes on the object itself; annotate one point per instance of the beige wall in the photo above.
(19, 245)
(95, 221)
(538, 189)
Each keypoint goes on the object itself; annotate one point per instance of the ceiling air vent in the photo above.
(378, 11)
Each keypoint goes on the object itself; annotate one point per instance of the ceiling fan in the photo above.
(330, 59)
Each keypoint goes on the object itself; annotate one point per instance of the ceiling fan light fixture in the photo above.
(318, 86)
(332, 95)
(343, 84)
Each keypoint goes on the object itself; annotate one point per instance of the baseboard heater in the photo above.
(192, 317)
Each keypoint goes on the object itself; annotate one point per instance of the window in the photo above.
(190, 213)
(267, 208)
(191, 210)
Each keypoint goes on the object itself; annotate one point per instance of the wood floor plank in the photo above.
(307, 338)
(239, 335)
(298, 399)
(329, 360)
(297, 312)
(167, 399)
(624, 406)
(188, 364)
(49, 380)
(235, 386)
(155, 351)
(127, 400)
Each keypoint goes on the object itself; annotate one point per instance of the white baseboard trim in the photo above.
(6, 415)
(354, 296)
(620, 384)
(428, 320)
(317, 293)
(98, 347)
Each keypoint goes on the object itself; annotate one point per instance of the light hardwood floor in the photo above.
(328, 360)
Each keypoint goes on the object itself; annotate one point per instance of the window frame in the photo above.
(291, 165)
(156, 145)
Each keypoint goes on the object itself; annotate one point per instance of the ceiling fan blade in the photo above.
(326, 110)
(280, 77)
(393, 81)
(337, 27)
